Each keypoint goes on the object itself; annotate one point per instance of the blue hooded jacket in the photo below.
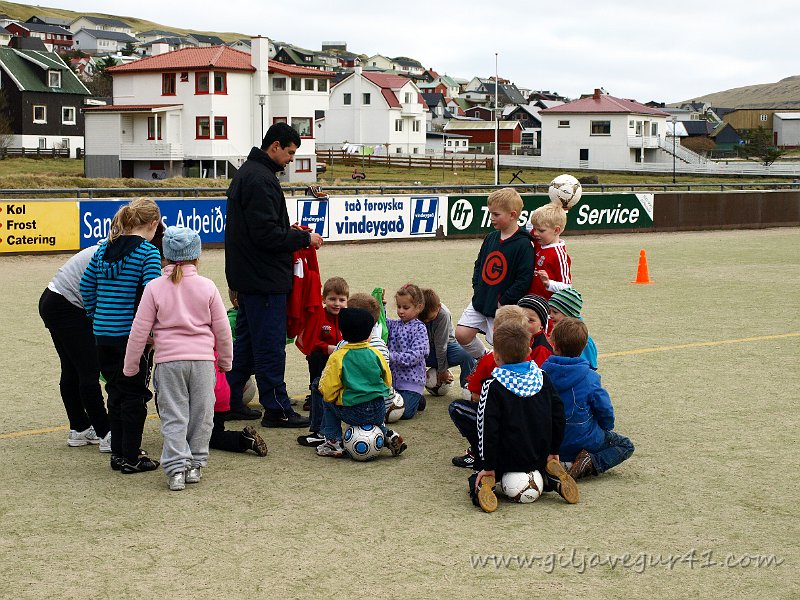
(587, 405)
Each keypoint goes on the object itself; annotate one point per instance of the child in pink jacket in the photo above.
(187, 317)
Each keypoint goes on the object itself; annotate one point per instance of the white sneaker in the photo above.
(466, 395)
(193, 475)
(177, 482)
(105, 444)
(82, 438)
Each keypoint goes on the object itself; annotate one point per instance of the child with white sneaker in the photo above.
(408, 348)
(187, 317)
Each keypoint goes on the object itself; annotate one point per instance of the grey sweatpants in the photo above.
(186, 408)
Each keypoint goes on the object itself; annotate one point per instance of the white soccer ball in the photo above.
(363, 442)
(249, 391)
(522, 487)
(432, 386)
(395, 408)
(565, 191)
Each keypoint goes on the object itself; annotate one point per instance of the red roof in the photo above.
(129, 107)
(386, 80)
(221, 58)
(603, 103)
(284, 69)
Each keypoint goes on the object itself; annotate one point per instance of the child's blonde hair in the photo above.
(506, 199)
(550, 215)
(177, 272)
(510, 312)
(136, 213)
(512, 341)
(413, 292)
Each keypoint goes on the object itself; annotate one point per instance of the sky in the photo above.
(663, 51)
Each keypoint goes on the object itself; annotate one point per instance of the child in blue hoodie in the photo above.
(590, 442)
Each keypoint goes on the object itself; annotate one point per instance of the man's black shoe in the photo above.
(242, 413)
(290, 419)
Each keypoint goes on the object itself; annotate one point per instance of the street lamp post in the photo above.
(262, 98)
(674, 135)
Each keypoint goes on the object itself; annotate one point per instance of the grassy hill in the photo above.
(782, 94)
(25, 11)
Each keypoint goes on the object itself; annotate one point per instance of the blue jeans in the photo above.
(260, 348)
(367, 413)
(317, 404)
(456, 355)
(411, 401)
(615, 449)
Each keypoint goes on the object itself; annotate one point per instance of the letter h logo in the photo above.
(424, 215)
(314, 215)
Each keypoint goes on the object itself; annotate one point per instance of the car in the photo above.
(321, 167)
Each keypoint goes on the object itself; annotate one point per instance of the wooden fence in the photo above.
(34, 152)
(425, 161)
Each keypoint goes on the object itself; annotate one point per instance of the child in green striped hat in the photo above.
(569, 303)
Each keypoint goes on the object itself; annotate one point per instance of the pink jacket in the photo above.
(188, 321)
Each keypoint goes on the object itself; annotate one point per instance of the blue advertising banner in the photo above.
(205, 215)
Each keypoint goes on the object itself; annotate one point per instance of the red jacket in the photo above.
(305, 299)
(321, 331)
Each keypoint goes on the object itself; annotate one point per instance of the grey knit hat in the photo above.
(568, 301)
(181, 243)
(538, 305)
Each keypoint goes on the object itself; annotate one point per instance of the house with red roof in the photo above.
(601, 131)
(197, 112)
(381, 111)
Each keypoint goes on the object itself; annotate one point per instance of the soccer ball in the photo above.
(431, 385)
(363, 442)
(249, 391)
(522, 487)
(395, 408)
(565, 191)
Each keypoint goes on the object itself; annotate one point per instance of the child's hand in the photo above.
(444, 377)
(543, 276)
(481, 475)
(554, 457)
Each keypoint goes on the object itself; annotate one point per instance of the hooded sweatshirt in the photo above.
(113, 283)
(587, 405)
(520, 419)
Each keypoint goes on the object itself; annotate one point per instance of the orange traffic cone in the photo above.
(642, 275)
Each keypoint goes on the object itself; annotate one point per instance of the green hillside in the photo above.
(782, 94)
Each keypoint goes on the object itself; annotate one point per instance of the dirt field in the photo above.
(702, 369)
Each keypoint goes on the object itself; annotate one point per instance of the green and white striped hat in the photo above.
(568, 301)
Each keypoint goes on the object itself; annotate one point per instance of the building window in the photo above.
(302, 125)
(398, 150)
(583, 154)
(279, 120)
(39, 114)
(68, 115)
(154, 128)
(168, 84)
(303, 165)
(407, 97)
(415, 150)
(346, 99)
(296, 84)
(630, 124)
(415, 126)
(201, 82)
(203, 128)
(654, 129)
(42, 143)
(156, 165)
(365, 98)
(65, 143)
(184, 76)
(322, 85)
(221, 127)
(54, 79)
(762, 117)
(398, 124)
(309, 85)
(220, 83)
(601, 128)
(563, 123)
(279, 84)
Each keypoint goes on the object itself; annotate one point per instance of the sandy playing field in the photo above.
(703, 370)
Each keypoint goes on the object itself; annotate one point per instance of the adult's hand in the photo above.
(316, 240)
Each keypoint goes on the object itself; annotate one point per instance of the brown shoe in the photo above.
(563, 483)
(254, 441)
(486, 497)
(582, 466)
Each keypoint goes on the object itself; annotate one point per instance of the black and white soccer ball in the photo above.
(432, 386)
(522, 487)
(565, 191)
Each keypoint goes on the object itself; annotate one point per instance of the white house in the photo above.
(198, 112)
(375, 109)
(601, 131)
(786, 128)
(97, 41)
(400, 64)
(5, 36)
(101, 23)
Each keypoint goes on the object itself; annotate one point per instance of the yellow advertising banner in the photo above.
(39, 226)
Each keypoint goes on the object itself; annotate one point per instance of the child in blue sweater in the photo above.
(408, 348)
(590, 442)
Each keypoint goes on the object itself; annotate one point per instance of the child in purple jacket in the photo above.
(408, 348)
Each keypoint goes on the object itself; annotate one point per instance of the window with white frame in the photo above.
(309, 85)
(322, 85)
(68, 115)
(39, 113)
(65, 143)
(297, 84)
(54, 79)
(407, 98)
(415, 126)
(398, 124)
(346, 99)
(365, 98)
(42, 143)
(415, 150)
(762, 117)
(654, 129)
(398, 150)
(563, 123)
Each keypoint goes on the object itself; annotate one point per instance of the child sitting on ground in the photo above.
(520, 422)
(537, 311)
(552, 268)
(408, 348)
(354, 385)
(568, 303)
(589, 443)
(444, 351)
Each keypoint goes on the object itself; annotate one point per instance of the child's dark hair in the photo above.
(432, 304)
(569, 337)
(413, 292)
(136, 213)
(512, 341)
(367, 303)
(335, 285)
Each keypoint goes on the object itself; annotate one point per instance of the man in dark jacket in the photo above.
(259, 243)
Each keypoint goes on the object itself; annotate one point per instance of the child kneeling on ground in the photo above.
(354, 384)
(590, 442)
(520, 422)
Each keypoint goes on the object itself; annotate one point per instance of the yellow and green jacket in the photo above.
(354, 374)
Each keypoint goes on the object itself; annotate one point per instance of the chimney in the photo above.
(260, 111)
(159, 48)
(597, 93)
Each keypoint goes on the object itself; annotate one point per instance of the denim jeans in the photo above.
(615, 449)
(260, 348)
(456, 355)
(411, 401)
(367, 413)
(317, 403)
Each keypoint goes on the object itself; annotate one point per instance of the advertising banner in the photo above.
(469, 214)
(368, 218)
(38, 226)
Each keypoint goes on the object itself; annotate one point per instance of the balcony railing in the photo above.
(408, 109)
(151, 151)
(643, 141)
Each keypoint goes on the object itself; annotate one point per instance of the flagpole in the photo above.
(496, 127)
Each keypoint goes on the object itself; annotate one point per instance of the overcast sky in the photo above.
(665, 51)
